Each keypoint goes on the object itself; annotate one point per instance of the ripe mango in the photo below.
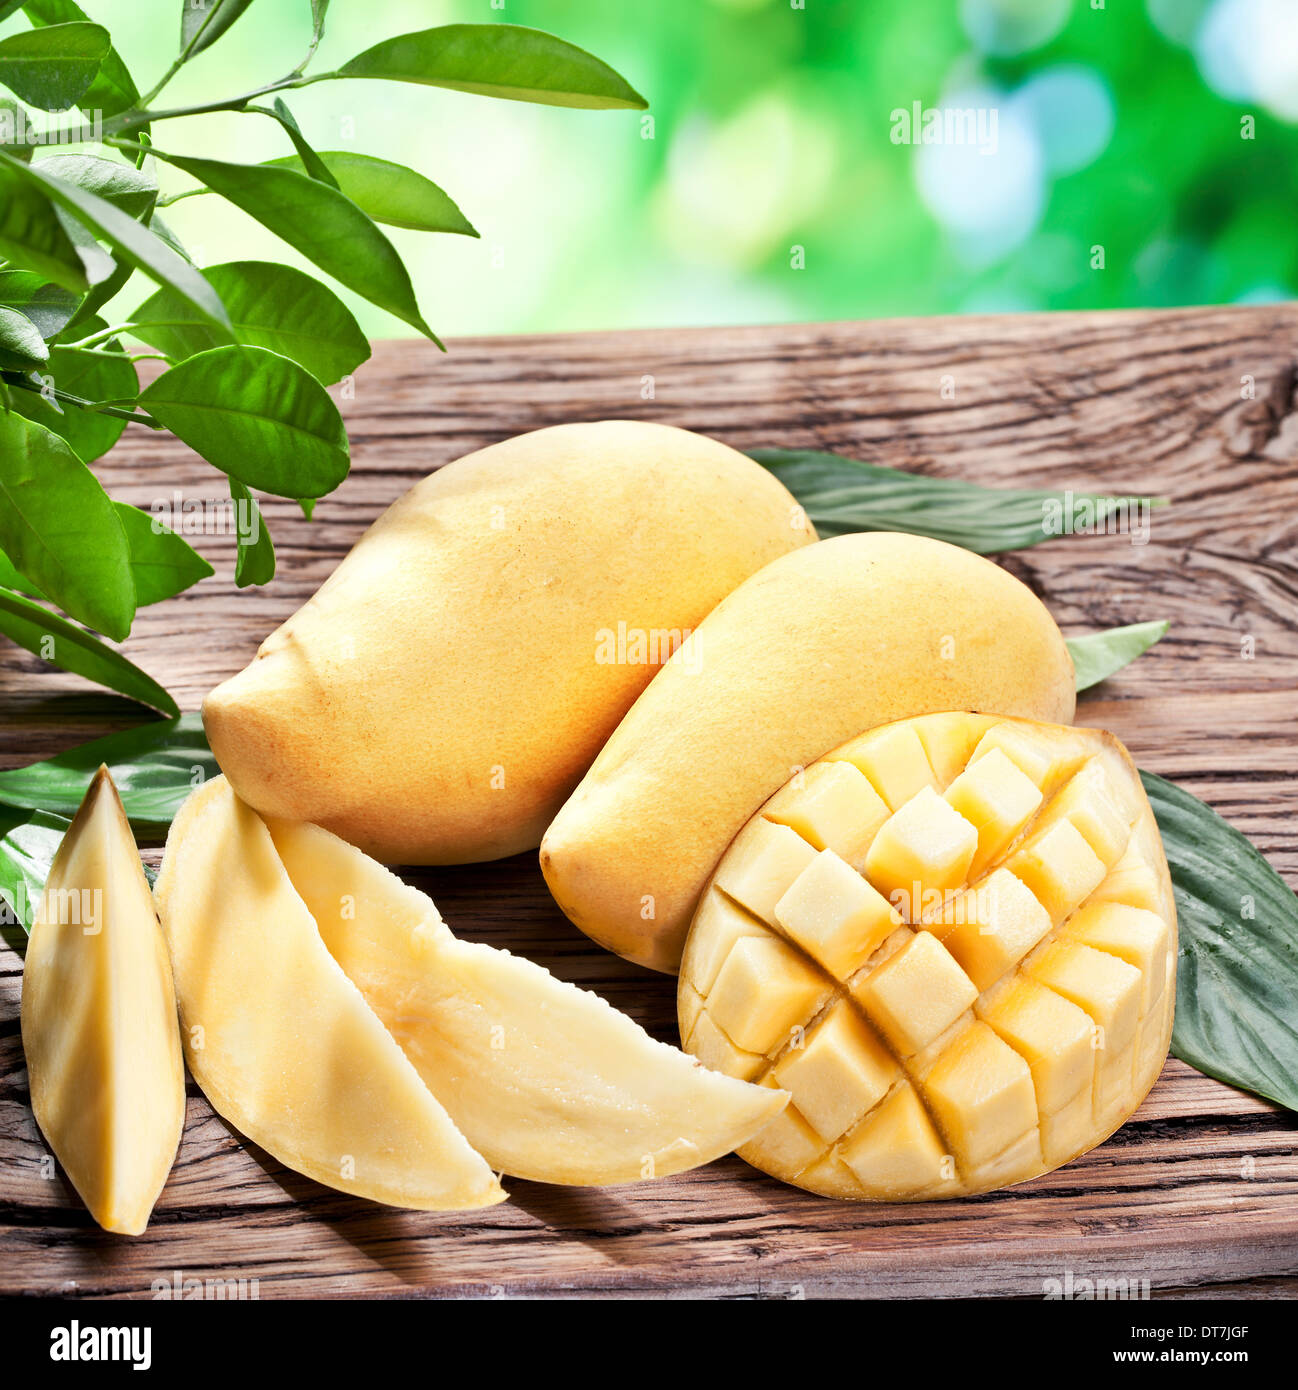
(442, 693)
(967, 993)
(824, 642)
(99, 1019)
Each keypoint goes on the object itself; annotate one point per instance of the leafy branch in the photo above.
(249, 346)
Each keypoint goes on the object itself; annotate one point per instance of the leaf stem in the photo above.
(134, 417)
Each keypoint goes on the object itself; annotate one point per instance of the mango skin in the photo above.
(820, 645)
(440, 696)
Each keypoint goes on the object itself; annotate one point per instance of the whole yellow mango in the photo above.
(823, 643)
(442, 693)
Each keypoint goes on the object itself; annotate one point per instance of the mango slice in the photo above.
(99, 1020)
(277, 1036)
(966, 993)
(547, 1081)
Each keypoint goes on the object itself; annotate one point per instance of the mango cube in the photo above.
(895, 762)
(999, 1026)
(1060, 868)
(837, 808)
(763, 992)
(924, 848)
(761, 864)
(835, 915)
(916, 994)
(895, 1151)
(989, 928)
(838, 1074)
(997, 800)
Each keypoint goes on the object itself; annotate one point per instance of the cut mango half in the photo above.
(280, 1040)
(99, 1020)
(963, 980)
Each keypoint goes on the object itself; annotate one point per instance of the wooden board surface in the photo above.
(1200, 1188)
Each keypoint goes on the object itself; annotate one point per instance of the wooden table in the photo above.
(1200, 1188)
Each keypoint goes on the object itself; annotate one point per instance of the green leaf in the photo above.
(56, 640)
(27, 850)
(15, 124)
(123, 185)
(21, 344)
(48, 306)
(320, 222)
(93, 376)
(33, 234)
(308, 161)
(256, 416)
(1237, 975)
(154, 766)
(135, 244)
(202, 22)
(841, 495)
(1097, 655)
(271, 306)
(255, 563)
(59, 528)
(390, 193)
(162, 563)
(53, 67)
(498, 60)
(113, 90)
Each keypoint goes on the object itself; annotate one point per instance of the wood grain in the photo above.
(1199, 1189)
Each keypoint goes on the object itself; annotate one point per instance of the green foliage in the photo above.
(249, 346)
(1098, 655)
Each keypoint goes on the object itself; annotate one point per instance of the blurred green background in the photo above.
(767, 186)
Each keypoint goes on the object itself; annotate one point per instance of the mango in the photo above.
(983, 994)
(547, 1081)
(838, 637)
(280, 1040)
(443, 692)
(99, 1022)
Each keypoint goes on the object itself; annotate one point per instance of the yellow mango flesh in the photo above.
(99, 1020)
(547, 1081)
(849, 634)
(443, 692)
(280, 1040)
(1012, 1010)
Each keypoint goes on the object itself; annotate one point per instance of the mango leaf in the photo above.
(64, 644)
(308, 161)
(53, 67)
(320, 222)
(202, 22)
(271, 306)
(155, 766)
(49, 306)
(59, 528)
(33, 235)
(390, 193)
(113, 90)
(1097, 655)
(21, 344)
(27, 849)
(255, 562)
(256, 416)
(123, 185)
(162, 563)
(93, 376)
(498, 60)
(842, 494)
(133, 243)
(15, 128)
(1237, 975)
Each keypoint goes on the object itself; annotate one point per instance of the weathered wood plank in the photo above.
(1201, 1188)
